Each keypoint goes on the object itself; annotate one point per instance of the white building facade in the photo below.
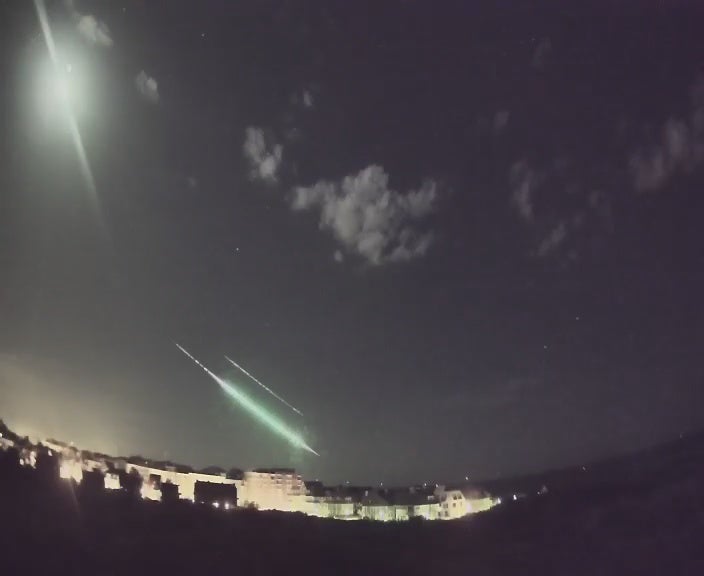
(273, 489)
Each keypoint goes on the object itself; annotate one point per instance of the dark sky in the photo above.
(463, 240)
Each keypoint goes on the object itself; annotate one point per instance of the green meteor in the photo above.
(271, 421)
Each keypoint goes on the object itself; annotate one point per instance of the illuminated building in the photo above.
(273, 489)
(180, 476)
(28, 457)
(62, 449)
(71, 470)
(385, 505)
(93, 463)
(421, 500)
(150, 491)
(375, 507)
(460, 502)
(399, 505)
(112, 482)
(452, 503)
(429, 509)
(264, 488)
(219, 495)
(324, 502)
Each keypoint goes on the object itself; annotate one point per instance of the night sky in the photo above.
(464, 238)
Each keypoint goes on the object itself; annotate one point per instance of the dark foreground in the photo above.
(644, 519)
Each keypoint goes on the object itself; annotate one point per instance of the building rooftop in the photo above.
(274, 470)
(213, 471)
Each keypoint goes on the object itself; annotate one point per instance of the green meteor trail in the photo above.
(260, 413)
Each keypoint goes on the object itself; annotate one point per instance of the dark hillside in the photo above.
(641, 514)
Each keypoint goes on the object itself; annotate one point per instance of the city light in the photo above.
(149, 492)
(112, 482)
(274, 489)
(71, 470)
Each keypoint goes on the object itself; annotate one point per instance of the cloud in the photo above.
(651, 170)
(94, 30)
(679, 149)
(304, 98)
(264, 160)
(555, 238)
(501, 120)
(338, 256)
(560, 210)
(308, 101)
(523, 180)
(147, 87)
(369, 219)
(541, 53)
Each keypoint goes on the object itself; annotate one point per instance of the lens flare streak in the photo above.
(269, 390)
(86, 171)
(255, 410)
